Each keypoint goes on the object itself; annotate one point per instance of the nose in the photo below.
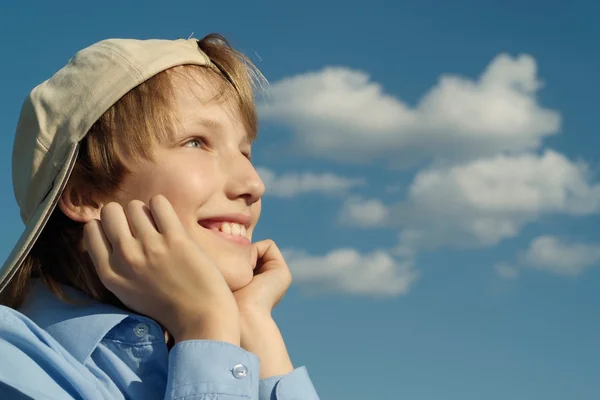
(243, 181)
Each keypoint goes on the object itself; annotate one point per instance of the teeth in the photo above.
(233, 229)
(226, 228)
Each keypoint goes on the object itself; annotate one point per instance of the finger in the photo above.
(271, 267)
(268, 255)
(98, 247)
(115, 225)
(254, 257)
(164, 215)
(140, 219)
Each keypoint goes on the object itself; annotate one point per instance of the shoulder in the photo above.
(28, 348)
(7, 313)
(13, 322)
(21, 337)
(34, 356)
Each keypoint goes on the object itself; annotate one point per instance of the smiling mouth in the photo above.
(230, 231)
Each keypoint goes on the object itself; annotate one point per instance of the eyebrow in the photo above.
(207, 123)
(214, 125)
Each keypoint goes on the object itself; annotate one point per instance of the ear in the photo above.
(72, 206)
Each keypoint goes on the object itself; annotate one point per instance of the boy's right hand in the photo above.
(146, 258)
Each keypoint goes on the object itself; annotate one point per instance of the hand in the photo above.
(260, 334)
(272, 278)
(146, 258)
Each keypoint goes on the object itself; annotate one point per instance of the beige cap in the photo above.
(58, 113)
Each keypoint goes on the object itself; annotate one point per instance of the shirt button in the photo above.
(240, 371)
(140, 330)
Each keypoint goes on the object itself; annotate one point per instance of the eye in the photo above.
(247, 155)
(196, 142)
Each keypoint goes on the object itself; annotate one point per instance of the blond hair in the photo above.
(133, 125)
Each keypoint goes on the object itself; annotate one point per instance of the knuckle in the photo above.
(132, 258)
(176, 240)
(154, 250)
(108, 277)
(121, 244)
(287, 276)
(148, 238)
(263, 244)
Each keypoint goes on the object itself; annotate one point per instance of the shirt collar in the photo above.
(78, 328)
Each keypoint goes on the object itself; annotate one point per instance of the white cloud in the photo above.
(479, 203)
(347, 270)
(487, 176)
(506, 271)
(340, 114)
(556, 255)
(364, 212)
(293, 184)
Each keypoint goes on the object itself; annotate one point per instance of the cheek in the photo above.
(186, 189)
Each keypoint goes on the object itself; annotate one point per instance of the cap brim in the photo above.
(38, 221)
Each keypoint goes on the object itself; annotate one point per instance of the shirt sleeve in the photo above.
(294, 386)
(199, 368)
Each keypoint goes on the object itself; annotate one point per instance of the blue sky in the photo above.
(432, 173)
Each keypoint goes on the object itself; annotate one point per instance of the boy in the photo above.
(136, 276)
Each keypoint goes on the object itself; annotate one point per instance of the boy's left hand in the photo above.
(272, 278)
(260, 334)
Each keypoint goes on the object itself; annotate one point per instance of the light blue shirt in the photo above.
(55, 351)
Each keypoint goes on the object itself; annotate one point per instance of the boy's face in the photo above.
(205, 174)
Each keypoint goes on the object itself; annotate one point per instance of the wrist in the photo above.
(261, 336)
(254, 313)
(223, 327)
